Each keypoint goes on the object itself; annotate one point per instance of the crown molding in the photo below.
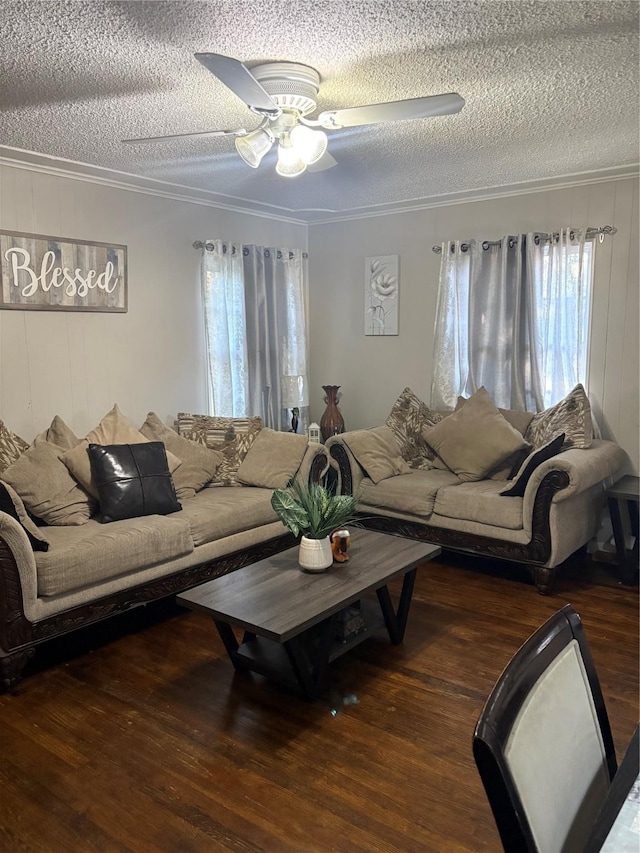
(616, 173)
(57, 166)
(32, 161)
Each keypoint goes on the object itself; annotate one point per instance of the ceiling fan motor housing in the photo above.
(291, 86)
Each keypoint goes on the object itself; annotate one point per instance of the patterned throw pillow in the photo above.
(11, 446)
(572, 416)
(407, 419)
(230, 436)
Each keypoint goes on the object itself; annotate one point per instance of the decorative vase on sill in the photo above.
(332, 422)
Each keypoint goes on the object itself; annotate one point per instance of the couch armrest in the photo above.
(315, 463)
(350, 474)
(585, 468)
(18, 583)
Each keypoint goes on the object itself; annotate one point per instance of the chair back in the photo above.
(543, 743)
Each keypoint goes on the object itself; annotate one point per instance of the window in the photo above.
(513, 315)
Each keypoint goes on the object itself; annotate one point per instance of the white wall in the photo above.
(372, 371)
(77, 364)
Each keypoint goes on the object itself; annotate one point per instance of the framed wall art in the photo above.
(381, 289)
(56, 274)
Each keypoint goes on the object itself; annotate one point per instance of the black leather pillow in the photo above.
(14, 507)
(132, 480)
(531, 463)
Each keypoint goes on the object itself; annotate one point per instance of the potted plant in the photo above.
(313, 512)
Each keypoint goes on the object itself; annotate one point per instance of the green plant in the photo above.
(312, 510)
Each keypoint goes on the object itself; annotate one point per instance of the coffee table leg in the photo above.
(311, 671)
(397, 622)
(230, 643)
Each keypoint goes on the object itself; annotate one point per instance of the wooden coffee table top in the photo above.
(274, 599)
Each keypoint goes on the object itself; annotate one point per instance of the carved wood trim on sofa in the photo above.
(533, 554)
(18, 636)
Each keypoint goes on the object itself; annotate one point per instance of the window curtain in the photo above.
(255, 326)
(512, 315)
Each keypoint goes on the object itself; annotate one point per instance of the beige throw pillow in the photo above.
(475, 439)
(572, 416)
(407, 419)
(232, 437)
(13, 505)
(377, 452)
(518, 419)
(511, 465)
(114, 428)
(11, 446)
(199, 464)
(47, 488)
(273, 459)
(61, 434)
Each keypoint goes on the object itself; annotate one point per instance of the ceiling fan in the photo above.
(284, 94)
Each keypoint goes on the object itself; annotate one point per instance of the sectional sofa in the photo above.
(206, 510)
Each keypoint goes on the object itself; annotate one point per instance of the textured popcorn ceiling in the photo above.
(551, 89)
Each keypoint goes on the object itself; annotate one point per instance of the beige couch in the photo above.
(558, 512)
(92, 569)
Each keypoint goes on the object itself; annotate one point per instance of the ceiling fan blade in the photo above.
(240, 132)
(433, 105)
(324, 163)
(240, 80)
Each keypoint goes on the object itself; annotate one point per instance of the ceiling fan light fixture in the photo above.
(289, 163)
(309, 144)
(254, 146)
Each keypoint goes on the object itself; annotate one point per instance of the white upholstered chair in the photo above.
(543, 744)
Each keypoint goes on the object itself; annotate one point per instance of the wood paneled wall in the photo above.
(372, 371)
(78, 365)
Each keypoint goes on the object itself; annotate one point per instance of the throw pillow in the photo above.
(132, 480)
(475, 439)
(517, 418)
(531, 463)
(273, 459)
(61, 434)
(508, 468)
(11, 503)
(114, 428)
(407, 419)
(572, 416)
(230, 436)
(377, 452)
(47, 488)
(11, 446)
(199, 464)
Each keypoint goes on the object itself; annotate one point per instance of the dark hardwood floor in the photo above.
(137, 735)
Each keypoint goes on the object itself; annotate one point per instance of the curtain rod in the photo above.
(209, 247)
(591, 232)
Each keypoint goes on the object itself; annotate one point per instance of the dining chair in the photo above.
(543, 744)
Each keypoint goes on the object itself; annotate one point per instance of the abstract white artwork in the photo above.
(381, 286)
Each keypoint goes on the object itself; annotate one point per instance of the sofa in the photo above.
(93, 527)
(519, 486)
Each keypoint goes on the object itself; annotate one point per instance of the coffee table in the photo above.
(290, 618)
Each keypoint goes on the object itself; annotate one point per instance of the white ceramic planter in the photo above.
(315, 555)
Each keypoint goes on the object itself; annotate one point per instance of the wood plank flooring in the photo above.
(137, 735)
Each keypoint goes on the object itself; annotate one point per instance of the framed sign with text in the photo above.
(55, 274)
